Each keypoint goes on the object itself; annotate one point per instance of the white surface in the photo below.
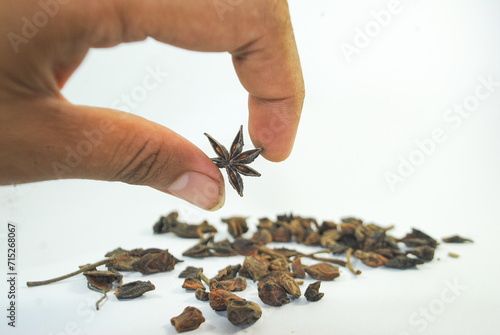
(358, 118)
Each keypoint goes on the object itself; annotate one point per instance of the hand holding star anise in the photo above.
(235, 161)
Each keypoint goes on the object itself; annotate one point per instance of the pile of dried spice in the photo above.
(275, 269)
(276, 272)
(145, 261)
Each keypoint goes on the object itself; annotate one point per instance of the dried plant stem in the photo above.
(349, 265)
(82, 269)
(205, 279)
(326, 251)
(270, 252)
(100, 300)
(329, 260)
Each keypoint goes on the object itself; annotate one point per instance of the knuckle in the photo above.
(145, 164)
(275, 13)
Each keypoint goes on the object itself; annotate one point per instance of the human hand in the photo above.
(38, 126)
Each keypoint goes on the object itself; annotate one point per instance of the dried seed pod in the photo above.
(190, 271)
(133, 289)
(273, 288)
(298, 268)
(245, 247)
(102, 280)
(201, 294)
(156, 262)
(219, 299)
(229, 272)
(370, 258)
(272, 294)
(186, 230)
(166, 223)
(374, 240)
(456, 239)
(348, 229)
(254, 267)
(263, 236)
(337, 248)
(283, 233)
(192, 283)
(297, 230)
(330, 237)
(311, 238)
(123, 262)
(235, 284)
(116, 252)
(312, 292)
(403, 262)
(169, 223)
(323, 271)
(191, 318)
(417, 238)
(327, 225)
(424, 252)
(352, 220)
(389, 253)
(209, 248)
(236, 226)
(242, 312)
(265, 223)
(279, 264)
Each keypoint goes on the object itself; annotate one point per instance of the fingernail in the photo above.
(198, 189)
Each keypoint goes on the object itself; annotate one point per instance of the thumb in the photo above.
(52, 139)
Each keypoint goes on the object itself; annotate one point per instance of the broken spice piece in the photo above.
(370, 258)
(236, 226)
(403, 262)
(207, 247)
(312, 292)
(254, 267)
(190, 271)
(242, 312)
(133, 289)
(193, 283)
(417, 238)
(102, 281)
(234, 284)
(274, 288)
(229, 272)
(323, 271)
(156, 262)
(220, 298)
(298, 268)
(170, 224)
(201, 294)
(191, 318)
(424, 252)
(235, 160)
(456, 239)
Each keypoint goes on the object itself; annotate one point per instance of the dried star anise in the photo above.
(235, 160)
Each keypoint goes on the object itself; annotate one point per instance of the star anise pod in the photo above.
(235, 160)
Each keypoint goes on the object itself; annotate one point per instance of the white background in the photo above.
(359, 119)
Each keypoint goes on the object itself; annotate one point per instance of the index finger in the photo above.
(269, 69)
(257, 33)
